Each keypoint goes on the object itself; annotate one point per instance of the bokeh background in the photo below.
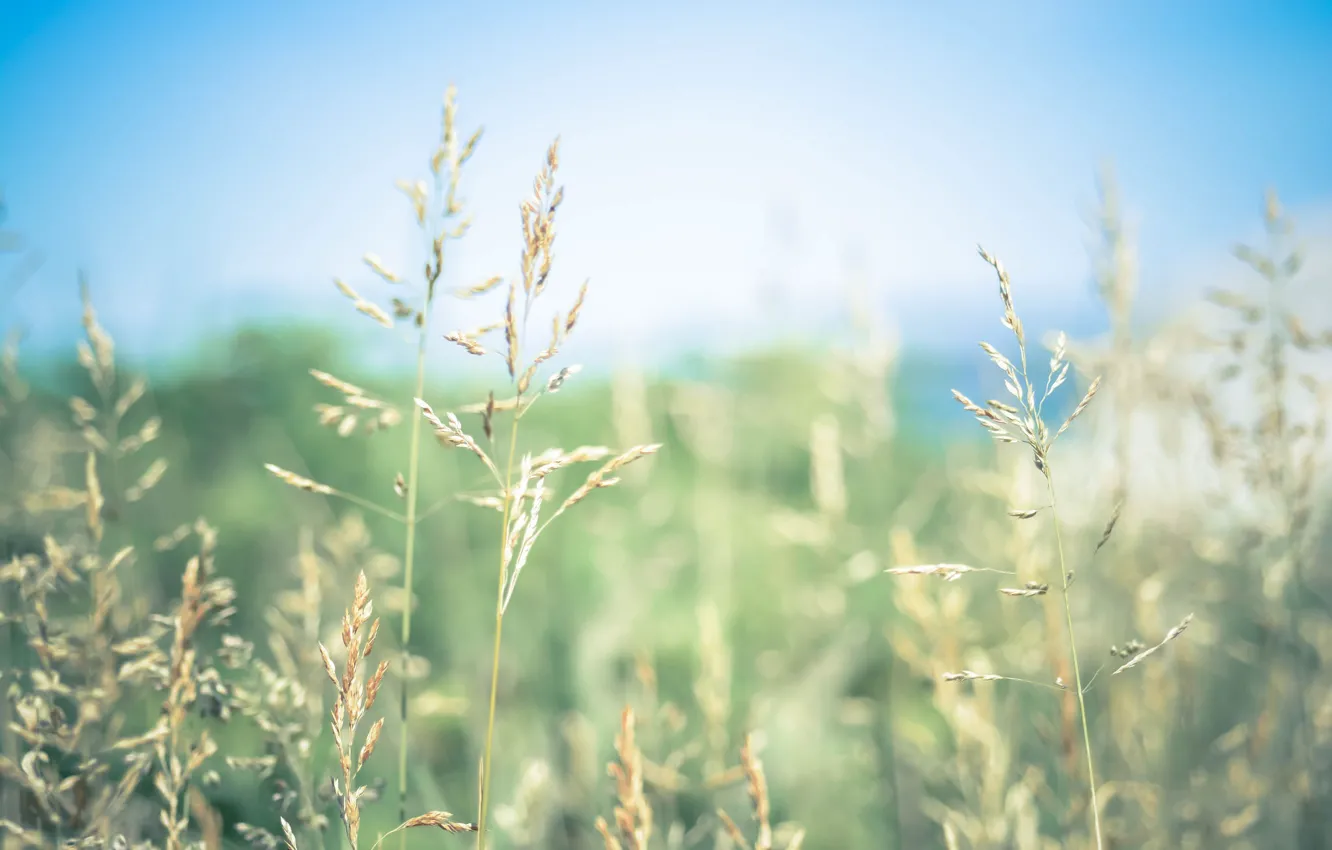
(777, 206)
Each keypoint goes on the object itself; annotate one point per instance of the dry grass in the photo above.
(91, 655)
(521, 488)
(355, 696)
(1022, 421)
(520, 499)
(119, 694)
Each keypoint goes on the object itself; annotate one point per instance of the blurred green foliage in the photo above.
(720, 589)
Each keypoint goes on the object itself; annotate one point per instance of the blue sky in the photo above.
(724, 162)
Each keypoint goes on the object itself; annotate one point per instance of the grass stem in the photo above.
(484, 803)
(1073, 653)
(409, 560)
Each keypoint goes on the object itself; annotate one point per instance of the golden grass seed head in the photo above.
(442, 820)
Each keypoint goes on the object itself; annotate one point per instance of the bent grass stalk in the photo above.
(1073, 657)
(1024, 423)
(1003, 421)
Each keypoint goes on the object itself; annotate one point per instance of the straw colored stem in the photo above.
(1077, 672)
(409, 561)
(484, 803)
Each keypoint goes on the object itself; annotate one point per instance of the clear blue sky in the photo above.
(210, 161)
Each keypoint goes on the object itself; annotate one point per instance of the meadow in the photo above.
(792, 598)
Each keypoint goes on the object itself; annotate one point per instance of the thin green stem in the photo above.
(409, 556)
(369, 505)
(484, 804)
(1073, 652)
(433, 509)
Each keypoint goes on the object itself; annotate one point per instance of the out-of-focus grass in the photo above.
(730, 590)
(836, 667)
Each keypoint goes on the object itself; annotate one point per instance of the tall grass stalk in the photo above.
(1073, 657)
(502, 577)
(409, 560)
(446, 166)
(521, 499)
(435, 213)
(1023, 422)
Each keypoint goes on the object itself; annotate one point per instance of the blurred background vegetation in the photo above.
(734, 582)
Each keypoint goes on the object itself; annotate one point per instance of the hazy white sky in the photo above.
(208, 162)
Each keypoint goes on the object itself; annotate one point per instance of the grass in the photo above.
(518, 499)
(171, 681)
(1024, 423)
